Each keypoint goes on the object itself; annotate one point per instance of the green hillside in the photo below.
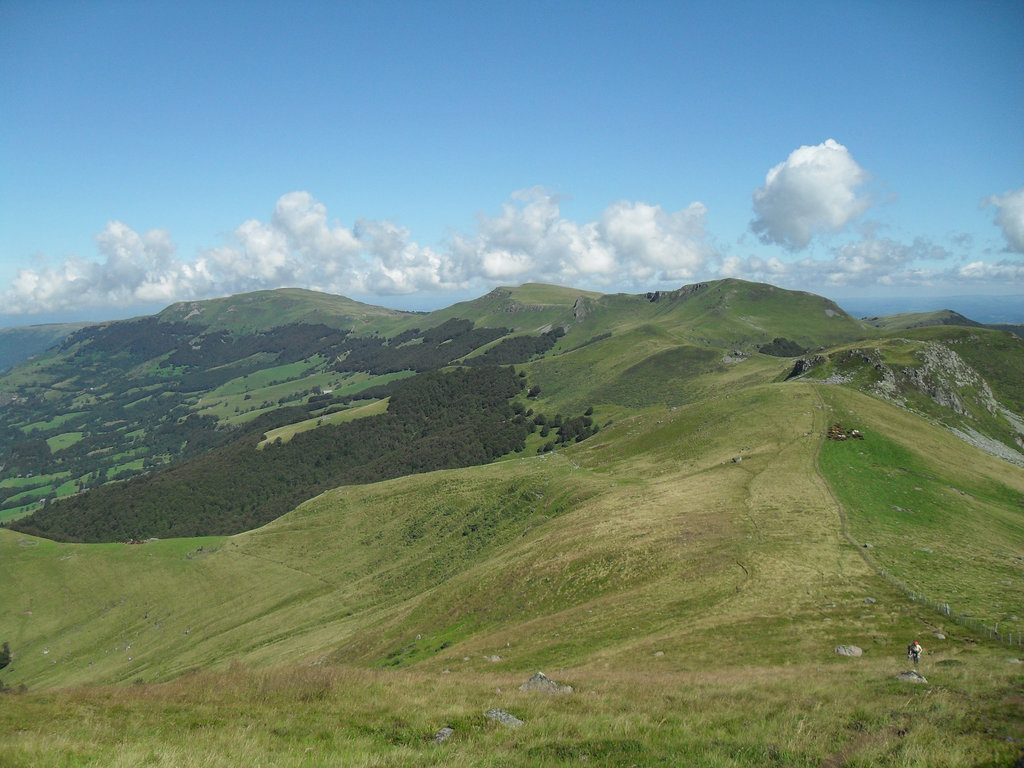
(690, 568)
(259, 310)
(646, 554)
(124, 399)
(532, 307)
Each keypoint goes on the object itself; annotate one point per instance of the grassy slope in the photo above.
(526, 308)
(693, 600)
(638, 328)
(590, 563)
(735, 313)
(946, 522)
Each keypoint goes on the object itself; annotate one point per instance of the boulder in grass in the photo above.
(849, 650)
(443, 735)
(544, 684)
(910, 676)
(504, 718)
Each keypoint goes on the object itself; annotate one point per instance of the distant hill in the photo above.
(989, 310)
(921, 319)
(262, 310)
(939, 317)
(20, 343)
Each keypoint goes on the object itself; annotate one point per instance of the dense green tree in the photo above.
(781, 347)
(518, 349)
(435, 420)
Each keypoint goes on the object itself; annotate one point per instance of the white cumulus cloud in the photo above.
(632, 243)
(866, 264)
(814, 190)
(655, 243)
(137, 269)
(1003, 272)
(1010, 217)
(300, 246)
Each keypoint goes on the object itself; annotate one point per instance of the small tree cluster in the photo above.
(569, 430)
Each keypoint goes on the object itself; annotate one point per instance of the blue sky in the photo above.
(413, 154)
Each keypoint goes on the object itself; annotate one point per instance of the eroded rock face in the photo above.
(579, 309)
(938, 373)
(943, 376)
(804, 364)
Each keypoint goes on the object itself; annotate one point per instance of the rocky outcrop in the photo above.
(681, 293)
(942, 376)
(579, 309)
(804, 364)
(953, 384)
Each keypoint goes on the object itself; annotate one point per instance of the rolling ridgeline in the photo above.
(634, 493)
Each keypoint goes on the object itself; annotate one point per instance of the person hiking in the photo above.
(914, 652)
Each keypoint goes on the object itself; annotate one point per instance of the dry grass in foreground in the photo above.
(845, 712)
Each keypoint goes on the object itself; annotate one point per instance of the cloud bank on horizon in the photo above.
(815, 196)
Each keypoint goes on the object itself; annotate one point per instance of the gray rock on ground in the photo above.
(504, 718)
(544, 684)
(910, 676)
(849, 650)
(443, 735)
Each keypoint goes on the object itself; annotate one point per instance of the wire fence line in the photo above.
(1011, 638)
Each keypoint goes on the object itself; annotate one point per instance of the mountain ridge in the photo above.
(689, 560)
(146, 393)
